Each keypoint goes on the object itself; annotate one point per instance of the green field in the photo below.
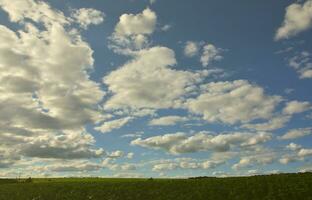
(282, 186)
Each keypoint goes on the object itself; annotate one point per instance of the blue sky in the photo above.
(138, 88)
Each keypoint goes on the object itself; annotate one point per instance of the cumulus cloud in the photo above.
(296, 133)
(305, 152)
(302, 63)
(79, 166)
(249, 161)
(272, 124)
(281, 119)
(210, 53)
(185, 163)
(298, 18)
(293, 147)
(167, 120)
(181, 143)
(166, 27)
(191, 48)
(130, 155)
(152, 1)
(108, 126)
(142, 23)
(88, 16)
(132, 30)
(288, 159)
(44, 111)
(116, 154)
(294, 107)
(37, 11)
(147, 81)
(233, 102)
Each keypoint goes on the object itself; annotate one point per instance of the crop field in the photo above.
(282, 186)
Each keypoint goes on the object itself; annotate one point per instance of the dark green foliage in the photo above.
(279, 187)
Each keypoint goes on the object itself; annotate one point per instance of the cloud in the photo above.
(108, 126)
(298, 18)
(272, 124)
(280, 120)
(166, 27)
(165, 166)
(305, 152)
(44, 111)
(142, 23)
(8, 157)
(288, 159)
(293, 147)
(210, 53)
(294, 107)
(302, 63)
(132, 30)
(233, 102)
(116, 154)
(296, 133)
(38, 11)
(147, 81)
(152, 1)
(79, 166)
(191, 48)
(186, 163)
(178, 143)
(62, 145)
(130, 155)
(249, 161)
(128, 167)
(167, 120)
(88, 16)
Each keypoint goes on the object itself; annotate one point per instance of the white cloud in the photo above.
(191, 48)
(128, 167)
(148, 82)
(44, 111)
(249, 161)
(130, 155)
(233, 102)
(293, 147)
(142, 23)
(210, 53)
(73, 166)
(272, 124)
(181, 143)
(88, 16)
(67, 145)
(288, 159)
(302, 63)
(38, 11)
(296, 133)
(167, 120)
(152, 1)
(116, 154)
(298, 18)
(305, 152)
(165, 166)
(166, 27)
(132, 30)
(185, 163)
(294, 107)
(108, 126)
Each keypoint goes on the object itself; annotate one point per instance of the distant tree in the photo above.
(29, 180)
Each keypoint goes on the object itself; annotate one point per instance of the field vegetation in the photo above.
(269, 187)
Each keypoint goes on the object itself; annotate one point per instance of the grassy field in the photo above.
(283, 186)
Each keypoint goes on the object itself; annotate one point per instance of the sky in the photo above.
(155, 88)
